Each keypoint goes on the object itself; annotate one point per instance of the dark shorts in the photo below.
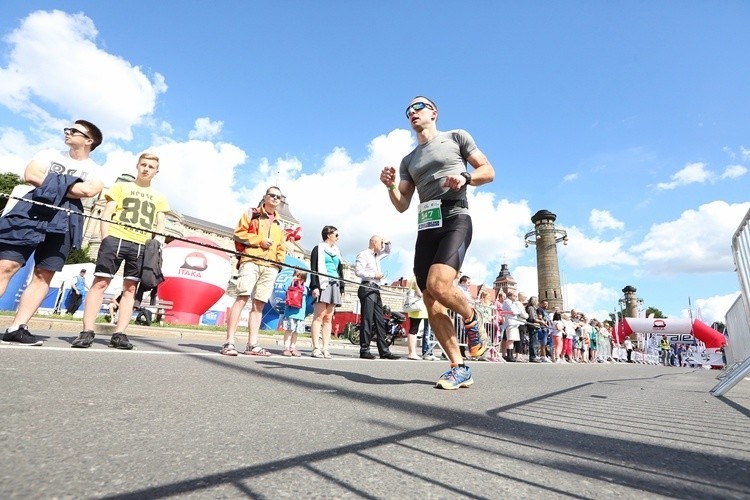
(111, 254)
(444, 245)
(51, 254)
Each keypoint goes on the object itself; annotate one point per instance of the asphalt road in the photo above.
(175, 418)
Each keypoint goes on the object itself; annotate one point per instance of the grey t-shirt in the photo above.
(429, 163)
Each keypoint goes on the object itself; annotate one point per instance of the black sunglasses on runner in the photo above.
(418, 106)
(74, 131)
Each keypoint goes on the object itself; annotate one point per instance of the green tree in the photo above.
(657, 312)
(8, 181)
(79, 256)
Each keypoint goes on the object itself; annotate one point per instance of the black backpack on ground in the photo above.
(144, 317)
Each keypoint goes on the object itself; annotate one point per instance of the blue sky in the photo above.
(627, 119)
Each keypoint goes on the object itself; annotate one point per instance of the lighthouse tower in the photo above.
(545, 236)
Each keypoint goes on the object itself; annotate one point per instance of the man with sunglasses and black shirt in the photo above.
(436, 170)
(63, 179)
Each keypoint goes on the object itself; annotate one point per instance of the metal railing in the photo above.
(737, 322)
(737, 350)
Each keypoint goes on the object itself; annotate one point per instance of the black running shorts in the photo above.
(444, 245)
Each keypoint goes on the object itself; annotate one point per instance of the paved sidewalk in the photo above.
(175, 418)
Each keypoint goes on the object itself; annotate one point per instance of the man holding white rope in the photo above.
(62, 179)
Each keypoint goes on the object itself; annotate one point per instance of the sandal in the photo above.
(296, 353)
(228, 350)
(287, 352)
(317, 353)
(416, 358)
(256, 350)
(327, 354)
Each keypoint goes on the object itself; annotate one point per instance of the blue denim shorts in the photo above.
(542, 334)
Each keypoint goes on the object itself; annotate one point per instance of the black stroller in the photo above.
(393, 327)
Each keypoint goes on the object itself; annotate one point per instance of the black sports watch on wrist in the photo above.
(467, 176)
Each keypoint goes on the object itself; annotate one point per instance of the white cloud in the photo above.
(588, 298)
(570, 177)
(205, 129)
(691, 173)
(282, 168)
(499, 226)
(694, 173)
(583, 252)
(15, 150)
(103, 88)
(342, 193)
(601, 220)
(733, 172)
(527, 279)
(712, 309)
(698, 242)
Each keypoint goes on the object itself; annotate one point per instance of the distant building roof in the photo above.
(284, 211)
(207, 226)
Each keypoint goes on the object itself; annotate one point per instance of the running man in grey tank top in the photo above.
(436, 169)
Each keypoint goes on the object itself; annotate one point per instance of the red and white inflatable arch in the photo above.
(671, 327)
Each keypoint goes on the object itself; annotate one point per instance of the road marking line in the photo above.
(103, 349)
(141, 351)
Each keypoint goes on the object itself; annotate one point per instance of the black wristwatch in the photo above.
(467, 176)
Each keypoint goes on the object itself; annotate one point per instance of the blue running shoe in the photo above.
(476, 336)
(457, 376)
